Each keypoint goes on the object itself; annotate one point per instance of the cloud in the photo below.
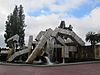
(80, 25)
(40, 23)
(67, 5)
(87, 23)
(57, 9)
(2, 28)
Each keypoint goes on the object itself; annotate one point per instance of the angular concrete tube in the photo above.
(39, 46)
(16, 54)
(70, 34)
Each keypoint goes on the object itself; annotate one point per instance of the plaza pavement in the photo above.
(86, 68)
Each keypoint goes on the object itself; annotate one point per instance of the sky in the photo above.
(83, 15)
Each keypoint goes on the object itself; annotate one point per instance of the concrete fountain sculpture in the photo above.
(55, 43)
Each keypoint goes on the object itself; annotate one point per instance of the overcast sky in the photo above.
(83, 15)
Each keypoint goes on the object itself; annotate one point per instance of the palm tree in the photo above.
(98, 37)
(92, 38)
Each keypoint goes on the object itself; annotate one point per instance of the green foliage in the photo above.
(93, 38)
(15, 25)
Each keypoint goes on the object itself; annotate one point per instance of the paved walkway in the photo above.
(81, 69)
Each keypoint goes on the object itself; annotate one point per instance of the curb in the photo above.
(68, 64)
(54, 65)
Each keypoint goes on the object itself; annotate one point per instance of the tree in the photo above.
(15, 25)
(98, 37)
(92, 37)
